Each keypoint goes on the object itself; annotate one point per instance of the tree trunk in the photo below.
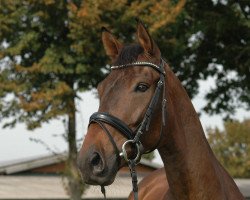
(75, 185)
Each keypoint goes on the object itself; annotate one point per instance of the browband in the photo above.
(149, 64)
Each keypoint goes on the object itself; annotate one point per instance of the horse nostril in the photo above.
(95, 159)
(97, 163)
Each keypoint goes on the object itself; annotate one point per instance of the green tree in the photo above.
(232, 147)
(208, 34)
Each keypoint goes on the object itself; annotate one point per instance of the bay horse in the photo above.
(142, 100)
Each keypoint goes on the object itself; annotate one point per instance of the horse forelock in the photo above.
(128, 54)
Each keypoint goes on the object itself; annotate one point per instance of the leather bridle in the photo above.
(133, 137)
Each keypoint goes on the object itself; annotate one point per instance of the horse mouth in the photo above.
(104, 179)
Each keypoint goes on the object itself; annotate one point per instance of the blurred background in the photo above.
(51, 60)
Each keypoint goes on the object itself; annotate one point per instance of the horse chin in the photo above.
(103, 181)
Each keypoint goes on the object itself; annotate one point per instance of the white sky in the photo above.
(16, 143)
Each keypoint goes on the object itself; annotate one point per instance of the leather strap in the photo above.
(114, 122)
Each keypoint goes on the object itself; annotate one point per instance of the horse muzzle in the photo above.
(95, 169)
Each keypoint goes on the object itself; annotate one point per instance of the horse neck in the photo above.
(188, 160)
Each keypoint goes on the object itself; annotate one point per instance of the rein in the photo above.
(133, 137)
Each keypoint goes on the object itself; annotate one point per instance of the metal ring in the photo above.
(124, 153)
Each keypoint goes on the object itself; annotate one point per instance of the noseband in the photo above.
(133, 137)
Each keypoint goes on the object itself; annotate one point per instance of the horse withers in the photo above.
(132, 107)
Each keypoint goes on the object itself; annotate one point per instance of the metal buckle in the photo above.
(124, 152)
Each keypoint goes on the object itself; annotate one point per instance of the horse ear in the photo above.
(111, 45)
(146, 41)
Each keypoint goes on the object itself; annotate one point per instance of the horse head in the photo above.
(126, 95)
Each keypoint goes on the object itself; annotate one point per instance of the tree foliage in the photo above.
(211, 38)
(224, 39)
(232, 147)
(44, 68)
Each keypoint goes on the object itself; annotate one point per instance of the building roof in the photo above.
(18, 166)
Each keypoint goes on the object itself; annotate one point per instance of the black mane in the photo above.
(129, 54)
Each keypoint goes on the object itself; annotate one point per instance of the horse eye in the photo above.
(141, 87)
